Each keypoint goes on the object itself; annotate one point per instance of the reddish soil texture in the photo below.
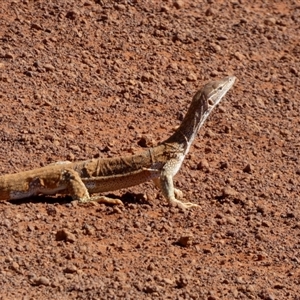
(82, 79)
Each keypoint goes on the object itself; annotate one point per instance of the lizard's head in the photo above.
(207, 98)
(204, 101)
(214, 91)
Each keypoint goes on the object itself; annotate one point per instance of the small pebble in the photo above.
(185, 241)
(178, 4)
(65, 235)
(248, 169)
(42, 281)
(229, 192)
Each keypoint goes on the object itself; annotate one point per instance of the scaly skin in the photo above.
(160, 163)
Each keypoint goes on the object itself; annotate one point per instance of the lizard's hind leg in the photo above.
(74, 185)
(79, 191)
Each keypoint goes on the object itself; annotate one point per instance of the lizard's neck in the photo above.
(188, 129)
(202, 105)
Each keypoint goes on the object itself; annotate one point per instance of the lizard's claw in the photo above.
(101, 199)
(182, 205)
(107, 200)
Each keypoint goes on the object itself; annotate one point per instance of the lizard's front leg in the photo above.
(178, 193)
(78, 190)
(167, 187)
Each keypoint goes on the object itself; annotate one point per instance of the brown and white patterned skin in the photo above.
(160, 163)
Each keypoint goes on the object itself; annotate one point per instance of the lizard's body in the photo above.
(160, 163)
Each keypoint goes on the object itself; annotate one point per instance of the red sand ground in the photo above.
(82, 79)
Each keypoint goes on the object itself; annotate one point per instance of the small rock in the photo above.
(260, 101)
(51, 211)
(248, 169)
(270, 21)
(88, 230)
(210, 12)
(72, 14)
(281, 23)
(147, 77)
(180, 116)
(207, 150)
(9, 55)
(224, 165)
(148, 289)
(165, 9)
(65, 235)
(214, 73)
(208, 251)
(240, 280)
(222, 37)
(145, 141)
(270, 296)
(74, 148)
(56, 143)
(42, 281)
(120, 7)
(132, 82)
(15, 266)
(168, 281)
(116, 210)
(181, 282)
(235, 292)
(178, 4)
(36, 26)
(231, 220)
(8, 259)
(261, 237)
(219, 216)
(71, 269)
(228, 192)
(293, 70)
(173, 66)
(71, 156)
(251, 289)
(183, 82)
(30, 227)
(266, 224)
(191, 77)
(151, 267)
(49, 68)
(203, 165)
(227, 129)
(6, 223)
(262, 255)
(239, 56)
(185, 241)
(28, 73)
(290, 215)
(216, 48)
(261, 209)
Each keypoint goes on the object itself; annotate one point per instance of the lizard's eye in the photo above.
(210, 102)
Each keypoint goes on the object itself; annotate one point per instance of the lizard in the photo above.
(160, 163)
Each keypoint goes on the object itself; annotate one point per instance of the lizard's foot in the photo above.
(101, 199)
(178, 193)
(106, 200)
(182, 205)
